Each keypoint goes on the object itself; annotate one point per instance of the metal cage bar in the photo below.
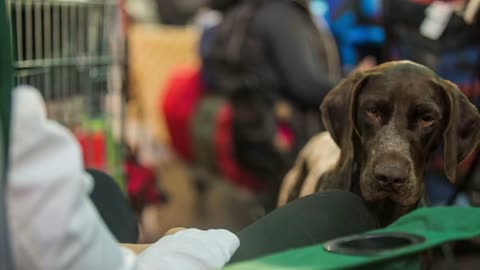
(62, 48)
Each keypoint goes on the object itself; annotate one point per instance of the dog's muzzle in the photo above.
(389, 171)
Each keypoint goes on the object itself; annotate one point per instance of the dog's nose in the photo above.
(391, 177)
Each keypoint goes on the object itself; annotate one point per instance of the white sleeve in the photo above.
(190, 249)
(53, 223)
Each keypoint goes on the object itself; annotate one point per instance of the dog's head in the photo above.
(388, 120)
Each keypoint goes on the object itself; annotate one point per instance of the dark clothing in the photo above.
(114, 208)
(221, 5)
(288, 56)
(311, 220)
(295, 51)
(265, 52)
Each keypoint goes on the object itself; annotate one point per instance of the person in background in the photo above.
(275, 63)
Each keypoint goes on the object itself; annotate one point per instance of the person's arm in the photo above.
(286, 30)
(182, 248)
(54, 225)
(139, 248)
(189, 249)
(135, 248)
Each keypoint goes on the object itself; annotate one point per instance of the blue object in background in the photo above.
(439, 190)
(353, 24)
(320, 8)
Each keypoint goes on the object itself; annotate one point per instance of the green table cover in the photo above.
(438, 225)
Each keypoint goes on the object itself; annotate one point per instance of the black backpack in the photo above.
(242, 74)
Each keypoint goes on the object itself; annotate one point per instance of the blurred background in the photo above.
(198, 108)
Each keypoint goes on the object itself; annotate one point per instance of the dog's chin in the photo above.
(404, 197)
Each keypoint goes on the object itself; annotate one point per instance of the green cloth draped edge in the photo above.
(438, 225)
(6, 84)
(6, 73)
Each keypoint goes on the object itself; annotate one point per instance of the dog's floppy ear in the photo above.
(462, 132)
(337, 114)
(336, 108)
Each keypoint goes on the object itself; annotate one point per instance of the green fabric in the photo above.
(299, 224)
(6, 79)
(112, 148)
(6, 85)
(114, 160)
(203, 126)
(437, 225)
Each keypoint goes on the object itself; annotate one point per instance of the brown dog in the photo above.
(387, 121)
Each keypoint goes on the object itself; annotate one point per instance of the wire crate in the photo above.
(72, 52)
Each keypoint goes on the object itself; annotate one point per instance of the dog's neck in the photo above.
(387, 211)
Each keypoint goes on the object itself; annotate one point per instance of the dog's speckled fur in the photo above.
(394, 140)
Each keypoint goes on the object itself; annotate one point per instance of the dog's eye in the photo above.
(426, 121)
(373, 112)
